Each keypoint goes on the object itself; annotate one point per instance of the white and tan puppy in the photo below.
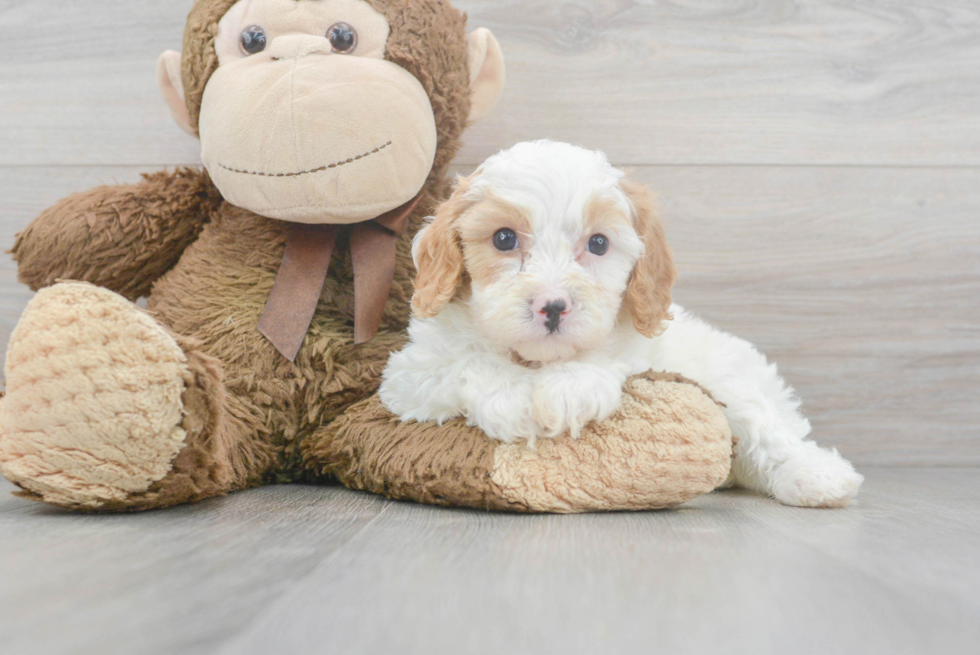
(543, 284)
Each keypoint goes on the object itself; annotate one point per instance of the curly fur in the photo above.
(667, 444)
(237, 414)
(439, 256)
(498, 359)
(647, 297)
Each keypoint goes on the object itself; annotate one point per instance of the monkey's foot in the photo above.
(94, 411)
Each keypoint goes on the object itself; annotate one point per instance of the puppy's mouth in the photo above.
(526, 363)
(544, 347)
(325, 167)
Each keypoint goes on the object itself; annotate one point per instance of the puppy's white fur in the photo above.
(478, 350)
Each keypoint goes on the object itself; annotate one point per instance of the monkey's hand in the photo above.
(121, 237)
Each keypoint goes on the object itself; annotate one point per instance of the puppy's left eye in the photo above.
(505, 239)
(598, 245)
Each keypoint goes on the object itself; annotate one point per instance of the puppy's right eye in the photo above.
(253, 40)
(599, 244)
(505, 239)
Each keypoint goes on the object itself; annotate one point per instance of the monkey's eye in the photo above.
(343, 38)
(253, 40)
(505, 240)
(598, 244)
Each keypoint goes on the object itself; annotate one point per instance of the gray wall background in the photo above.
(818, 164)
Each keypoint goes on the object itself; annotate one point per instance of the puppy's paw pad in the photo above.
(817, 479)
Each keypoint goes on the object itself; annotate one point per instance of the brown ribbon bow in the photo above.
(303, 272)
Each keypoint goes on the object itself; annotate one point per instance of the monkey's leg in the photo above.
(668, 443)
(106, 410)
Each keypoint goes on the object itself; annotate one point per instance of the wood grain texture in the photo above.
(861, 284)
(741, 81)
(882, 82)
(161, 582)
(304, 569)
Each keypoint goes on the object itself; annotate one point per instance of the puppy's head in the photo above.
(554, 246)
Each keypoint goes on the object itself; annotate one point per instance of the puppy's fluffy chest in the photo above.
(448, 370)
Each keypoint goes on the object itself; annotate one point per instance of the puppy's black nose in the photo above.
(553, 311)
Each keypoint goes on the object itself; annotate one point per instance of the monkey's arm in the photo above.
(121, 237)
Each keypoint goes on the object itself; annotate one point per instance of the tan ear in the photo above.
(487, 72)
(648, 292)
(438, 255)
(172, 87)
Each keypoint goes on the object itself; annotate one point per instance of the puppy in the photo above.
(543, 284)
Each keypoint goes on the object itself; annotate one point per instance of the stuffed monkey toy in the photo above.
(279, 280)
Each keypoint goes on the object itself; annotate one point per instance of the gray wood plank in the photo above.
(80, 85)
(861, 284)
(167, 581)
(730, 572)
(934, 513)
(305, 569)
(761, 82)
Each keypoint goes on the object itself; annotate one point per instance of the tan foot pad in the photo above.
(669, 443)
(93, 405)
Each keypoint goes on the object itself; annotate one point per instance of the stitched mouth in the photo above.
(312, 170)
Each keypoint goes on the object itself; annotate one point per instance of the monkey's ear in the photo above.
(172, 87)
(487, 72)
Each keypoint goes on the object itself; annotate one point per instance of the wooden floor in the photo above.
(299, 569)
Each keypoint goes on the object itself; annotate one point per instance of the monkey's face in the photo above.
(305, 120)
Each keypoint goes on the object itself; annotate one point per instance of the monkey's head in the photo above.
(328, 111)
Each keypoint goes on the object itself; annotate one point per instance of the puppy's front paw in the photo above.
(816, 478)
(503, 414)
(568, 399)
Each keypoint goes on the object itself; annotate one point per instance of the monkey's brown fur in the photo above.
(250, 416)
(208, 268)
(668, 443)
